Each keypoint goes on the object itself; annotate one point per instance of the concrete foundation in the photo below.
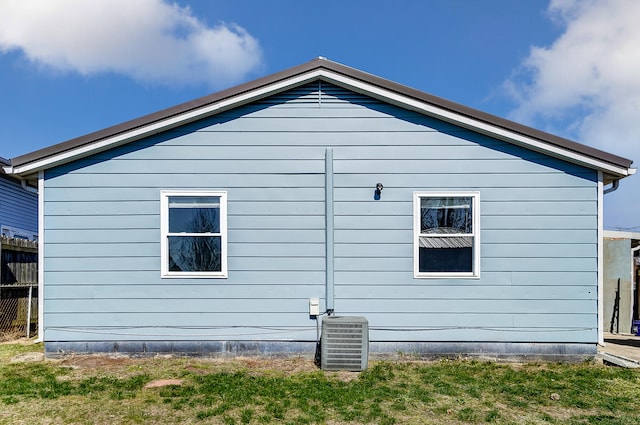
(499, 351)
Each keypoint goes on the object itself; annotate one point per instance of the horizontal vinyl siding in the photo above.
(18, 207)
(538, 230)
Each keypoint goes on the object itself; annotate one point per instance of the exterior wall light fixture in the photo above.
(378, 191)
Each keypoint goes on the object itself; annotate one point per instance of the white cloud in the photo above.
(148, 40)
(586, 86)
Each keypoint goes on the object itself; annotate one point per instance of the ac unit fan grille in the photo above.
(345, 343)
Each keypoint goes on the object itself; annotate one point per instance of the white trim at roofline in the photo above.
(621, 234)
(479, 126)
(355, 84)
(159, 126)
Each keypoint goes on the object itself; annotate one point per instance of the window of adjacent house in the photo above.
(446, 241)
(194, 234)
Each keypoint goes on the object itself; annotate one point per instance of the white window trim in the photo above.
(475, 274)
(164, 231)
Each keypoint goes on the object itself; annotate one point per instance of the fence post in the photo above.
(29, 312)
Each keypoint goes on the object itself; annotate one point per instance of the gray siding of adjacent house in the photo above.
(618, 268)
(18, 207)
(538, 230)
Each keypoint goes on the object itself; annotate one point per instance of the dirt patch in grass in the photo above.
(13, 339)
(158, 383)
(121, 364)
(287, 366)
(104, 362)
(30, 356)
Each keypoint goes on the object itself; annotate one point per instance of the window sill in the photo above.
(194, 276)
(446, 276)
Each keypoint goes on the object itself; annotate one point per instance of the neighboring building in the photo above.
(18, 256)
(621, 280)
(18, 207)
(209, 226)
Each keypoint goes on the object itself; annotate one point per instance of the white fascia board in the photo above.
(166, 124)
(478, 126)
(356, 85)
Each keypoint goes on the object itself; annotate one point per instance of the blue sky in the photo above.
(570, 67)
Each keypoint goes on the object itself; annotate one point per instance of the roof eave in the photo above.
(88, 139)
(357, 80)
(495, 127)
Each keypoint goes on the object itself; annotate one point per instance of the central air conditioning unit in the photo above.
(345, 343)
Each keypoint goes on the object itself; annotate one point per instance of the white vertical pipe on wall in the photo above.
(328, 216)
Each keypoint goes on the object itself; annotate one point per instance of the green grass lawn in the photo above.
(100, 389)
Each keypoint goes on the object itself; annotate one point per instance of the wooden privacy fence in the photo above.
(18, 287)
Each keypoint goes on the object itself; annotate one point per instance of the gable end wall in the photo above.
(538, 280)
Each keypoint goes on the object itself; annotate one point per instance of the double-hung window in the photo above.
(446, 234)
(194, 234)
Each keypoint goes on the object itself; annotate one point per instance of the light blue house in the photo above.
(212, 226)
